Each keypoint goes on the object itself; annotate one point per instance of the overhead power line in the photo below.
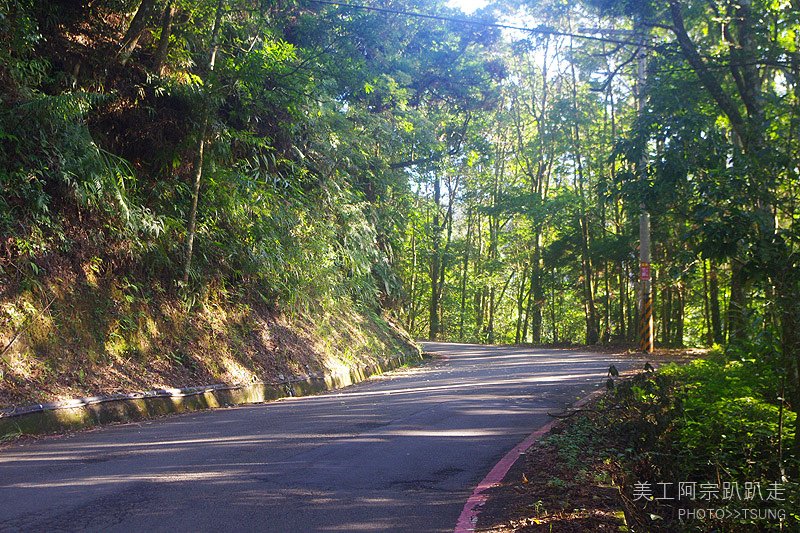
(539, 30)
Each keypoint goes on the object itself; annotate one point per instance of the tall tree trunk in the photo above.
(452, 188)
(538, 172)
(433, 308)
(493, 230)
(200, 154)
(536, 296)
(623, 293)
(787, 284)
(666, 314)
(490, 324)
(713, 303)
(737, 304)
(135, 30)
(606, 337)
(592, 335)
(656, 295)
(709, 334)
(478, 270)
(633, 310)
(609, 126)
(484, 301)
(465, 267)
(679, 308)
(553, 308)
(160, 57)
(537, 289)
(526, 320)
(412, 312)
(521, 303)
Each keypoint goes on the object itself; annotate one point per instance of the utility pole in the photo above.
(645, 280)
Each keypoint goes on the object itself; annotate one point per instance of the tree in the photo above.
(136, 28)
(201, 147)
(729, 47)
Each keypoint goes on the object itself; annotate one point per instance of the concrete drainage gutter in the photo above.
(98, 410)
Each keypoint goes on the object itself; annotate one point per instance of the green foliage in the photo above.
(713, 420)
(729, 417)
(298, 202)
(573, 444)
(49, 151)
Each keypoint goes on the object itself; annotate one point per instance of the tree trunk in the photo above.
(491, 291)
(478, 270)
(494, 233)
(484, 316)
(679, 307)
(536, 296)
(537, 289)
(709, 334)
(713, 303)
(606, 337)
(464, 276)
(623, 293)
(160, 58)
(412, 312)
(521, 303)
(592, 335)
(527, 319)
(433, 308)
(633, 312)
(452, 188)
(787, 284)
(198, 161)
(666, 315)
(490, 325)
(737, 304)
(553, 309)
(135, 30)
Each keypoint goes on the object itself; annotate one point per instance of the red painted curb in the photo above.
(469, 515)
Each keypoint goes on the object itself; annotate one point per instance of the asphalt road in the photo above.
(401, 452)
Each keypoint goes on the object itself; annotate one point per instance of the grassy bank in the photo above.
(86, 334)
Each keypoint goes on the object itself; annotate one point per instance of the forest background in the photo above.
(197, 191)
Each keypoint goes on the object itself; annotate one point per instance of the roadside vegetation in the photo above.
(700, 446)
(228, 190)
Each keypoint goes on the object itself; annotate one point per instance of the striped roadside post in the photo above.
(645, 279)
(646, 322)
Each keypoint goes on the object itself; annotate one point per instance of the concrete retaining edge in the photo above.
(98, 410)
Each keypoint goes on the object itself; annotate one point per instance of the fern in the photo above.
(47, 140)
(60, 108)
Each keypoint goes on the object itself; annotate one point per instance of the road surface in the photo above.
(402, 452)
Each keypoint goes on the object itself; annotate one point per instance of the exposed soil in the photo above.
(91, 333)
(550, 489)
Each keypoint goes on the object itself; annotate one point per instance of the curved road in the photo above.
(401, 452)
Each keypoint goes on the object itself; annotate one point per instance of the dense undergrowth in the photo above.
(695, 447)
(706, 447)
(101, 148)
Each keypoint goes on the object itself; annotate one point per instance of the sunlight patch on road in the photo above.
(450, 433)
(93, 481)
(473, 384)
